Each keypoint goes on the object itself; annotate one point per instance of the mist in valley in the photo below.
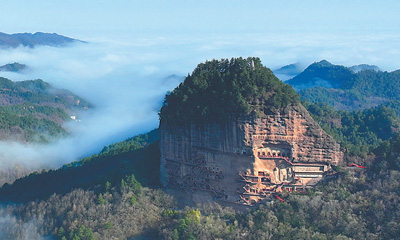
(137, 51)
(126, 80)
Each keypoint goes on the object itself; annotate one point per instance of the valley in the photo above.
(98, 196)
(198, 120)
(33, 112)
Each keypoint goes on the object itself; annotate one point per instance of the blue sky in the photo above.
(85, 19)
(279, 32)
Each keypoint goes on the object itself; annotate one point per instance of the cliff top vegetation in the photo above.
(219, 89)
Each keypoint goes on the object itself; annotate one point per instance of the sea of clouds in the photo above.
(126, 79)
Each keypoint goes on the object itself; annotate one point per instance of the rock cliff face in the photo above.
(234, 132)
(246, 160)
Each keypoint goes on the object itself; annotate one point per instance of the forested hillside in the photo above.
(108, 201)
(323, 74)
(13, 67)
(115, 194)
(33, 111)
(344, 88)
(217, 90)
(358, 132)
(38, 92)
(31, 123)
(358, 204)
(138, 155)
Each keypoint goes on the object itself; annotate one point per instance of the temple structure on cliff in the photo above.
(247, 160)
(235, 133)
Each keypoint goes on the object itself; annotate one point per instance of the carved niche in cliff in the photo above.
(247, 160)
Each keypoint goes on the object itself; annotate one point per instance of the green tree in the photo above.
(108, 225)
(218, 90)
(123, 184)
(107, 186)
(132, 200)
(60, 232)
(134, 184)
(100, 199)
(176, 235)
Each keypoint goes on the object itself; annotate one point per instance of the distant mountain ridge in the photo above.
(32, 110)
(13, 67)
(36, 39)
(323, 74)
(38, 92)
(362, 67)
(289, 71)
(357, 87)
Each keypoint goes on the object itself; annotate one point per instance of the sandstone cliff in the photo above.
(212, 157)
(245, 158)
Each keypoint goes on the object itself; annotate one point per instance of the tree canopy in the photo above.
(338, 86)
(219, 89)
(359, 132)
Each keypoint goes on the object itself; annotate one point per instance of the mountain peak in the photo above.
(219, 89)
(323, 74)
(13, 67)
(322, 63)
(35, 39)
(362, 67)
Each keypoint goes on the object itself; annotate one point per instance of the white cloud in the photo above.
(11, 228)
(126, 79)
